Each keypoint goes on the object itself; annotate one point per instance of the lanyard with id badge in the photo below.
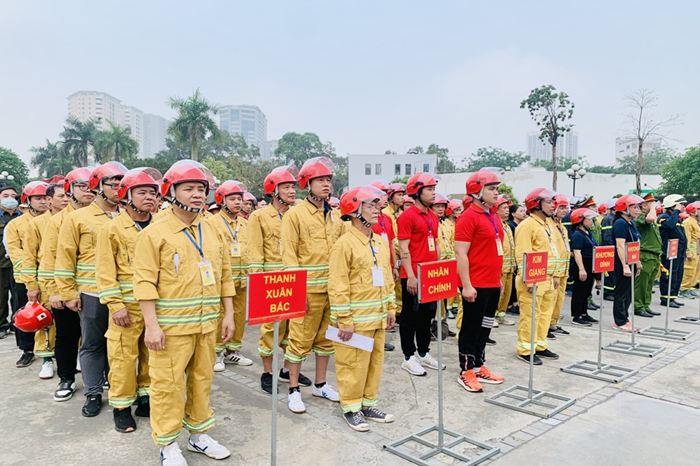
(381, 224)
(499, 243)
(206, 271)
(377, 272)
(431, 238)
(235, 245)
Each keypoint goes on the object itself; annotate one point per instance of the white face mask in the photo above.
(9, 203)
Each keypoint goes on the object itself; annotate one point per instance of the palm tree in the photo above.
(115, 143)
(52, 159)
(78, 139)
(193, 122)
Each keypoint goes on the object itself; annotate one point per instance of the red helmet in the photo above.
(452, 206)
(561, 200)
(467, 201)
(380, 184)
(683, 215)
(419, 181)
(278, 176)
(532, 200)
(692, 207)
(33, 188)
(502, 200)
(396, 188)
(334, 202)
(33, 317)
(249, 197)
(479, 179)
(440, 199)
(351, 201)
(77, 175)
(184, 171)
(602, 208)
(659, 209)
(408, 200)
(106, 170)
(623, 203)
(142, 176)
(315, 168)
(578, 215)
(227, 188)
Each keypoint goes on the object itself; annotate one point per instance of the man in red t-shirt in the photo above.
(479, 252)
(417, 233)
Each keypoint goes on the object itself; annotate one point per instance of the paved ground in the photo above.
(646, 420)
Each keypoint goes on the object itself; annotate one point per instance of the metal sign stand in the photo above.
(273, 430)
(690, 319)
(530, 397)
(665, 332)
(632, 347)
(440, 447)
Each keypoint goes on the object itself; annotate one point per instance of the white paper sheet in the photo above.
(357, 341)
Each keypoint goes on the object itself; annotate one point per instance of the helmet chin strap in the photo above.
(176, 203)
(102, 194)
(74, 199)
(136, 209)
(316, 198)
(359, 216)
(276, 194)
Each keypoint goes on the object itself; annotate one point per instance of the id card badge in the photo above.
(431, 244)
(499, 246)
(236, 249)
(385, 236)
(568, 246)
(377, 276)
(206, 271)
(554, 248)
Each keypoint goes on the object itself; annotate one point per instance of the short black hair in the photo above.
(6, 187)
(51, 190)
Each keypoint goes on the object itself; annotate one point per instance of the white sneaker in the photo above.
(170, 455)
(46, 370)
(429, 362)
(495, 323)
(237, 358)
(295, 403)
(413, 367)
(219, 365)
(209, 447)
(327, 392)
(77, 365)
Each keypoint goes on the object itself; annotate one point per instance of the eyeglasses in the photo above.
(372, 206)
(111, 185)
(81, 186)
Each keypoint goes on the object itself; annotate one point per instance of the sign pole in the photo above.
(532, 340)
(441, 425)
(275, 362)
(600, 325)
(668, 294)
(634, 330)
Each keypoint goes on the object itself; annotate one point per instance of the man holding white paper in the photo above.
(362, 301)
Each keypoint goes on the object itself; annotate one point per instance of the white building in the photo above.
(271, 148)
(363, 169)
(132, 117)
(567, 146)
(155, 131)
(629, 146)
(248, 121)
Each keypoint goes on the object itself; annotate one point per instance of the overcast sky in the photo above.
(365, 75)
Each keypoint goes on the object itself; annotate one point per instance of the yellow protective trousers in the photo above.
(267, 333)
(558, 302)
(544, 306)
(184, 355)
(691, 270)
(460, 315)
(239, 313)
(398, 294)
(308, 333)
(507, 282)
(45, 342)
(359, 372)
(128, 361)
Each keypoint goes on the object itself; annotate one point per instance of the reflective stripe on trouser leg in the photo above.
(690, 273)
(545, 295)
(507, 282)
(359, 372)
(267, 331)
(239, 311)
(195, 355)
(397, 292)
(559, 294)
(45, 341)
(123, 353)
(309, 332)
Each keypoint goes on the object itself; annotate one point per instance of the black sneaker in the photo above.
(144, 407)
(551, 335)
(654, 313)
(580, 320)
(304, 381)
(590, 319)
(389, 347)
(25, 360)
(591, 307)
(526, 357)
(92, 406)
(490, 342)
(373, 414)
(547, 354)
(124, 422)
(642, 314)
(4, 333)
(672, 304)
(515, 310)
(560, 331)
(356, 421)
(266, 382)
(65, 390)
(608, 297)
(673, 301)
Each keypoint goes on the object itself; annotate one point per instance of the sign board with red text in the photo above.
(535, 267)
(437, 281)
(672, 249)
(275, 296)
(603, 259)
(633, 250)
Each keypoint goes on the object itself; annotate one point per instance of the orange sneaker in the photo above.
(469, 382)
(485, 376)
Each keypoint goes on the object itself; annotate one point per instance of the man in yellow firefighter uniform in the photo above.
(396, 193)
(503, 211)
(116, 244)
(361, 294)
(181, 278)
(561, 243)
(691, 267)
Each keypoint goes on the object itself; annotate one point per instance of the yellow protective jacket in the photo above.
(265, 240)
(533, 235)
(446, 239)
(114, 259)
(14, 240)
(308, 234)
(237, 228)
(75, 259)
(49, 245)
(354, 300)
(690, 225)
(393, 216)
(508, 249)
(167, 271)
(560, 236)
(31, 249)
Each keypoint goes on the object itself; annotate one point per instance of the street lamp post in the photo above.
(575, 173)
(6, 176)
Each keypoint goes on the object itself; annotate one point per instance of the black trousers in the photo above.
(676, 278)
(416, 319)
(477, 322)
(581, 289)
(25, 340)
(5, 285)
(622, 296)
(67, 340)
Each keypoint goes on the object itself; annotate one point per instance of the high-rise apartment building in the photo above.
(248, 121)
(567, 146)
(155, 131)
(629, 146)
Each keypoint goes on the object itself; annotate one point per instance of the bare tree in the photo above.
(640, 125)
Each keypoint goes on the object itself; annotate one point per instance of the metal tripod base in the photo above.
(447, 449)
(689, 320)
(637, 349)
(605, 372)
(519, 401)
(668, 333)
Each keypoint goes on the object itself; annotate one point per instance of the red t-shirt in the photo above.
(481, 230)
(386, 226)
(415, 225)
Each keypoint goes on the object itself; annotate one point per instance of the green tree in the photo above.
(444, 163)
(564, 162)
(51, 159)
(15, 167)
(115, 143)
(495, 157)
(164, 159)
(193, 123)
(550, 110)
(400, 179)
(682, 175)
(603, 169)
(652, 162)
(417, 149)
(507, 191)
(79, 139)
